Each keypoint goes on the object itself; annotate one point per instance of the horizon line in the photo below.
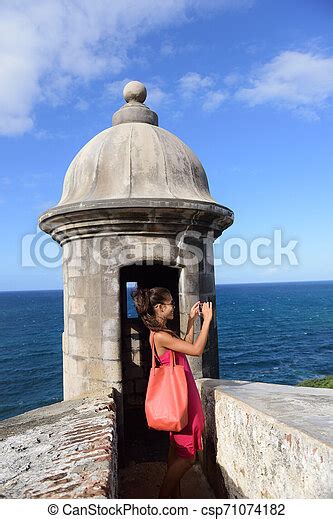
(216, 284)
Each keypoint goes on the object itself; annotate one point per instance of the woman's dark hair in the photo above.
(144, 300)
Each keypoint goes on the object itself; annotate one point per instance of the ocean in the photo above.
(269, 332)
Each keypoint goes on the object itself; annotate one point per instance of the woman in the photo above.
(155, 307)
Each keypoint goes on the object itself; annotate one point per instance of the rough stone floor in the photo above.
(142, 473)
(143, 480)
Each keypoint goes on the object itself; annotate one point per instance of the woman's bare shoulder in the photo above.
(162, 333)
(161, 339)
(168, 341)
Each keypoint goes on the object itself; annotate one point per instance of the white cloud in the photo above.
(168, 49)
(232, 79)
(156, 95)
(82, 105)
(49, 47)
(193, 83)
(223, 4)
(213, 100)
(300, 81)
(114, 89)
(201, 88)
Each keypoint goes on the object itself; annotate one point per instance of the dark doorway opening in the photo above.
(139, 443)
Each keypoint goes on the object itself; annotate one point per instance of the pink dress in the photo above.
(189, 439)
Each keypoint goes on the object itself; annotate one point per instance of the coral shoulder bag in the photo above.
(167, 395)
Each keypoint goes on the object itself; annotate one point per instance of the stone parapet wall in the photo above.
(267, 440)
(63, 450)
(260, 441)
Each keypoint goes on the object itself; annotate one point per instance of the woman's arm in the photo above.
(189, 335)
(194, 313)
(196, 349)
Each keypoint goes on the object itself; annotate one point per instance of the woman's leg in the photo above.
(174, 474)
(172, 456)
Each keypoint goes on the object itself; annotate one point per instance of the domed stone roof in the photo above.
(135, 158)
(134, 178)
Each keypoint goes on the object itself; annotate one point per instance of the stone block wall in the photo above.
(91, 338)
(92, 342)
(135, 368)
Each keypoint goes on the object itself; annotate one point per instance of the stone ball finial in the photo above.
(135, 91)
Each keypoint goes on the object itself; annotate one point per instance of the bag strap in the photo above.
(153, 353)
(154, 350)
(172, 358)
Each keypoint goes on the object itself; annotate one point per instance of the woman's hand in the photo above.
(194, 312)
(207, 311)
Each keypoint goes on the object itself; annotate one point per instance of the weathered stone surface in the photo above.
(207, 283)
(268, 440)
(67, 449)
(87, 326)
(86, 286)
(114, 162)
(143, 481)
(190, 284)
(109, 327)
(77, 305)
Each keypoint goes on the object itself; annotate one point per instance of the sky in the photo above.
(246, 84)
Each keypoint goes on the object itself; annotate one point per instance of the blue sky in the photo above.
(247, 84)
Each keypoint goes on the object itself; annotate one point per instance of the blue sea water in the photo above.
(269, 332)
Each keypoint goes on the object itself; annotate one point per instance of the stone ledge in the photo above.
(267, 440)
(308, 409)
(63, 450)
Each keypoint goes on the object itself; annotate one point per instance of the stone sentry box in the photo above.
(135, 207)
